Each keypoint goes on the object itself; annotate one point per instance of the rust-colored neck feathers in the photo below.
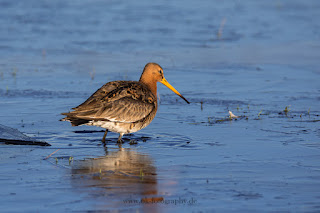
(150, 76)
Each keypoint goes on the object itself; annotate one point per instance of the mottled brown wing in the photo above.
(95, 98)
(119, 101)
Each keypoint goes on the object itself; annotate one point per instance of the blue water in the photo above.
(191, 158)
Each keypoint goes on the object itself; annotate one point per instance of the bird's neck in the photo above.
(152, 85)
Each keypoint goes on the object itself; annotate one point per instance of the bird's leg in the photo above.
(119, 139)
(105, 150)
(104, 136)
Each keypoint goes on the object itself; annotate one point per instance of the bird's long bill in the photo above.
(166, 83)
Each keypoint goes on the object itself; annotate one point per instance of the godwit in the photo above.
(122, 106)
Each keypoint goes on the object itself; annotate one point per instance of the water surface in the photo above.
(253, 58)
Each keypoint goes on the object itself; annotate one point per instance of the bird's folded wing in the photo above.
(125, 110)
(119, 105)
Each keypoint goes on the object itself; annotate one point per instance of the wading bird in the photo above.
(122, 106)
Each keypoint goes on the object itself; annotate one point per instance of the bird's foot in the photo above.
(103, 141)
(120, 141)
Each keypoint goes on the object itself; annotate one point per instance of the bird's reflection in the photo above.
(122, 175)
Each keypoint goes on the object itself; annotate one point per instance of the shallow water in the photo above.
(191, 158)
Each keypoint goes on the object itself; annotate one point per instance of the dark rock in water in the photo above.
(13, 136)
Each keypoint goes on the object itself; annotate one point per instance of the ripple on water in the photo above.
(31, 93)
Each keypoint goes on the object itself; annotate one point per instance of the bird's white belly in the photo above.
(115, 127)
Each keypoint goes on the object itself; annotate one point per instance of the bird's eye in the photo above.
(160, 71)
